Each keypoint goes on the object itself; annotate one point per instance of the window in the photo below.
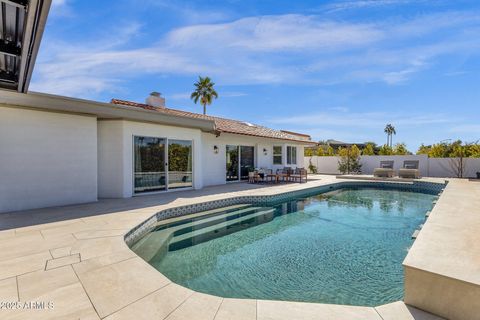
(179, 164)
(161, 164)
(149, 166)
(291, 155)
(277, 155)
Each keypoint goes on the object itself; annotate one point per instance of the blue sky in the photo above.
(332, 69)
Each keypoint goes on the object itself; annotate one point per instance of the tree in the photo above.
(368, 150)
(330, 152)
(400, 149)
(311, 167)
(385, 150)
(474, 150)
(390, 131)
(423, 149)
(204, 92)
(349, 161)
(458, 163)
(439, 150)
(320, 151)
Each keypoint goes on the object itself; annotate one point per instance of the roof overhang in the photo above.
(22, 23)
(300, 142)
(54, 103)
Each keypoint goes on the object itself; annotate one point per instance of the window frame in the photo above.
(291, 156)
(276, 155)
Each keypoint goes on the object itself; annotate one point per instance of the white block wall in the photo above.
(46, 159)
(429, 167)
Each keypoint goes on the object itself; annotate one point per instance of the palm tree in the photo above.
(393, 132)
(390, 131)
(204, 92)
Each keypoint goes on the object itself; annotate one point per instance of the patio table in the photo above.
(273, 177)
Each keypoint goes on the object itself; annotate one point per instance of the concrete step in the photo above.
(202, 223)
(220, 225)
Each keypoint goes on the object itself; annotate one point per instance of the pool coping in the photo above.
(108, 280)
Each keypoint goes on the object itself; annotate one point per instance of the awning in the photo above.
(21, 28)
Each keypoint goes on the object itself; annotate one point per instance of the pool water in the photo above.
(343, 247)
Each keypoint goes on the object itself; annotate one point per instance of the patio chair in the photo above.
(385, 170)
(270, 176)
(284, 173)
(409, 170)
(253, 177)
(299, 174)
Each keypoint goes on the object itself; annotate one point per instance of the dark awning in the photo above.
(21, 27)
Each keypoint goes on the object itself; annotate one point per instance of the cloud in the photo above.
(362, 4)
(276, 49)
(366, 126)
(60, 8)
(362, 120)
(222, 94)
(291, 32)
(466, 128)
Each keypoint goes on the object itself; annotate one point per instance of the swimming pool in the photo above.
(343, 247)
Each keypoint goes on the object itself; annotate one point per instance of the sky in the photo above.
(332, 69)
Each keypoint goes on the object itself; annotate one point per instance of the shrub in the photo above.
(349, 161)
(368, 150)
(311, 167)
(385, 150)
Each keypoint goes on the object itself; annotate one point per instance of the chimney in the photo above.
(155, 99)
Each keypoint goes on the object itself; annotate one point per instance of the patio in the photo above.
(76, 257)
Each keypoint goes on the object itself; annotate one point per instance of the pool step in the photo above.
(178, 220)
(163, 233)
(187, 239)
(202, 223)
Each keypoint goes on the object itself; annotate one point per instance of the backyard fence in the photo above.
(429, 167)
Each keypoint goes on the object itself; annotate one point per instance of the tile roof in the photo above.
(224, 125)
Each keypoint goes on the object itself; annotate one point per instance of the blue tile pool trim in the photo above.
(145, 227)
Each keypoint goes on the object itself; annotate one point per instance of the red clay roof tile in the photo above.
(224, 125)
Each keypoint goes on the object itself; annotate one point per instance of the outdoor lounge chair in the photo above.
(385, 170)
(299, 174)
(409, 170)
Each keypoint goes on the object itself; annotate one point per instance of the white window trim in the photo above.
(277, 155)
(289, 162)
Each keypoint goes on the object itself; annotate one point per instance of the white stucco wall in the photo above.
(429, 167)
(116, 153)
(214, 169)
(110, 159)
(46, 159)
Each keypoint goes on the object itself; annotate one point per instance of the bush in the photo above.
(349, 161)
(385, 150)
(311, 167)
(368, 150)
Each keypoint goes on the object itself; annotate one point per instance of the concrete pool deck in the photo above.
(76, 257)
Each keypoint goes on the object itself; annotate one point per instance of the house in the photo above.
(58, 150)
(335, 144)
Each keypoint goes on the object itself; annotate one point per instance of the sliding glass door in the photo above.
(149, 166)
(247, 161)
(240, 159)
(155, 157)
(179, 164)
(232, 163)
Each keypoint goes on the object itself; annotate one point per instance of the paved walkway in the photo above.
(76, 258)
